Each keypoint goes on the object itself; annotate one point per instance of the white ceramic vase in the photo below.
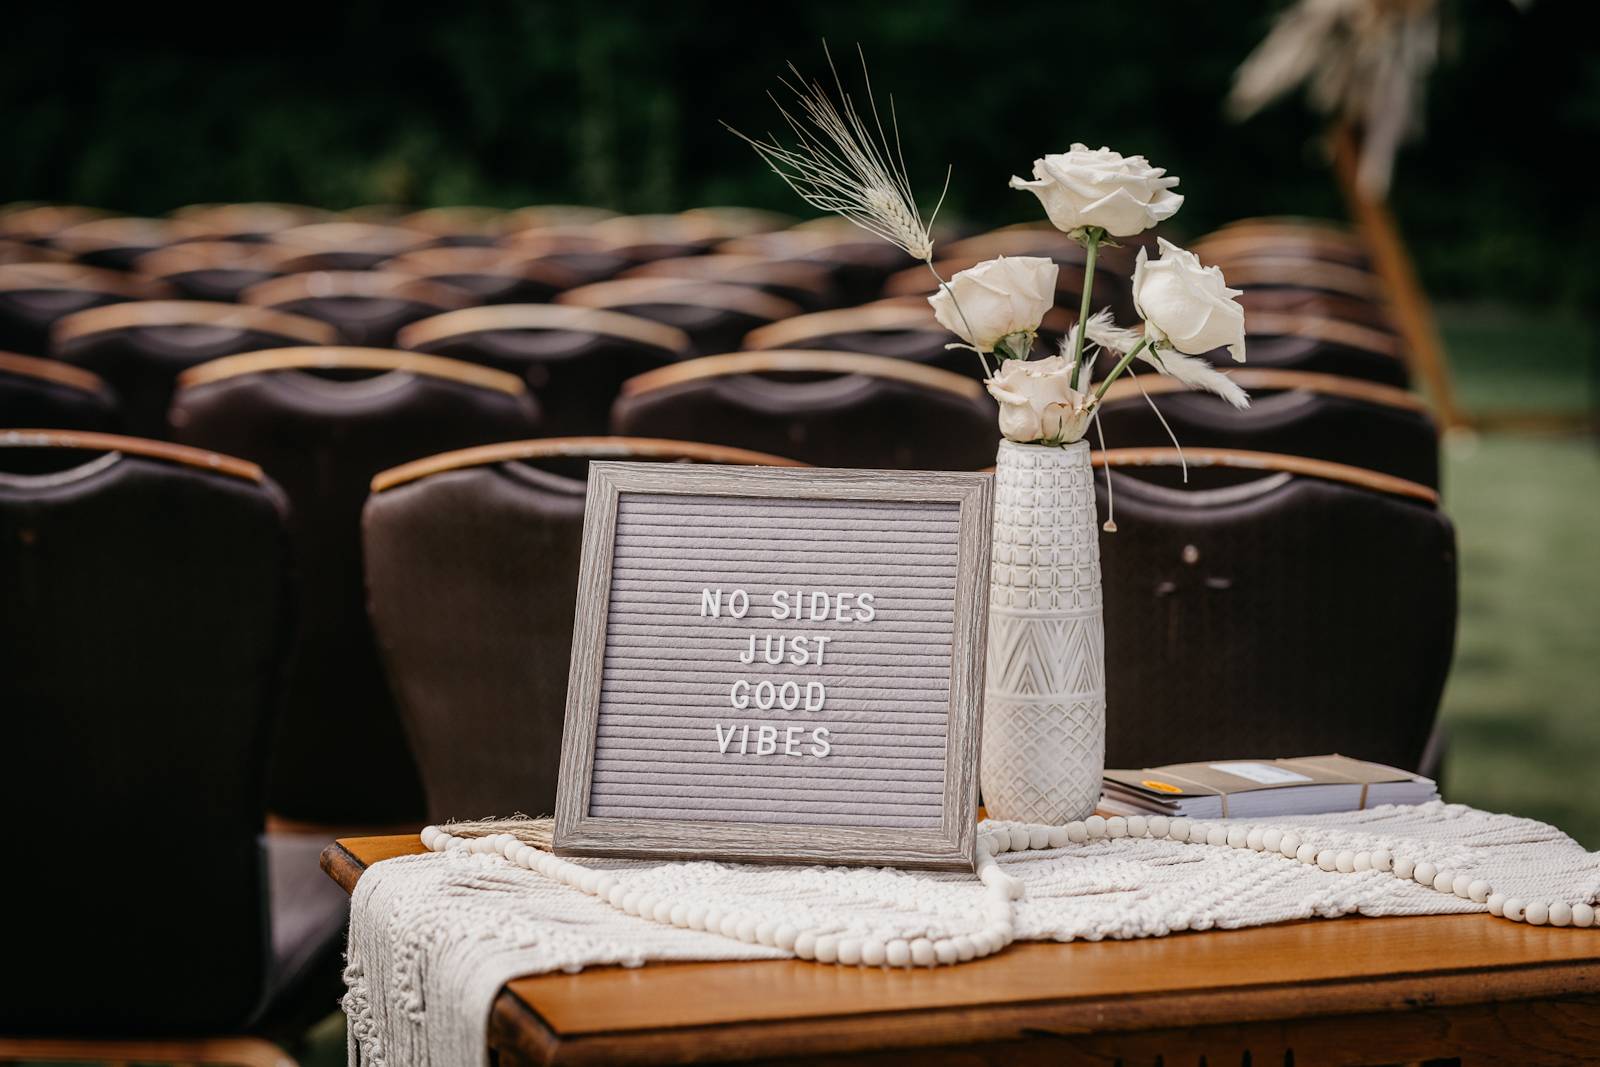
(1044, 713)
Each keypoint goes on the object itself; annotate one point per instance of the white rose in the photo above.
(1123, 194)
(996, 298)
(1187, 305)
(1038, 403)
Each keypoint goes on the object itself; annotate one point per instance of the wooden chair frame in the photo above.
(1243, 459)
(543, 317)
(1269, 380)
(336, 357)
(625, 292)
(311, 284)
(165, 451)
(141, 313)
(53, 371)
(789, 360)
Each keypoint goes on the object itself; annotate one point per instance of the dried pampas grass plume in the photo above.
(845, 165)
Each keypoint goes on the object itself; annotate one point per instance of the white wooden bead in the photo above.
(1478, 891)
(783, 937)
(1253, 839)
(1425, 873)
(1497, 904)
(1058, 837)
(1582, 914)
(1138, 826)
(945, 951)
(615, 897)
(1363, 861)
(1159, 826)
(1461, 886)
(766, 932)
(1178, 829)
(826, 949)
(746, 931)
(1116, 826)
(1328, 860)
(849, 951)
(480, 845)
(897, 953)
(1536, 914)
(1513, 909)
(1096, 825)
(1289, 844)
(1217, 836)
(1039, 837)
(679, 916)
(604, 885)
(1271, 839)
(1404, 867)
(873, 952)
(1237, 837)
(998, 843)
(1445, 882)
(1077, 832)
(729, 926)
(697, 920)
(663, 914)
(630, 901)
(1345, 861)
(1382, 859)
(590, 880)
(805, 944)
(1306, 853)
(427, 836)
(1019, 839)
(965, 950)
(1560, 914)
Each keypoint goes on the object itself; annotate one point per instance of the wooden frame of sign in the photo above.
(777, 665)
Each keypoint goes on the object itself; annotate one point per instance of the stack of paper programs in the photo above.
(1308, 785)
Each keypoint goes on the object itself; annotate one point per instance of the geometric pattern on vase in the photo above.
(1043, 747)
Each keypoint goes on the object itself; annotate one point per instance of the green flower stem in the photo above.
(1121, 366)
(1091, 245)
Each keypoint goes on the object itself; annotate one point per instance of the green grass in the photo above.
(1522, 706)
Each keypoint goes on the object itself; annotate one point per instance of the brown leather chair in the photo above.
(114, 243)
(1304, 239)
(537, 217)
(45, 392)
(1316, 303)
(1321, 416)
(367, 307)
(251, 222)
(23, 252)
(141, 348)
(573, 248)
(806, 285)
(897, 328)
(216, 270)
(574, 359)
(36, 223)
(715, 316)
(459, 225)
(1308, 609)
(491, 275)
(345, 245)
(322, 422)
(830, 409)
(143, 636)
(472, 575)
(857, 262)
(1327, 346)
(34, 295)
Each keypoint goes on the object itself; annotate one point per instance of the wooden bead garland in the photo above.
(829, 946)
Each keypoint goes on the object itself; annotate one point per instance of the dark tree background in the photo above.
(618, 104)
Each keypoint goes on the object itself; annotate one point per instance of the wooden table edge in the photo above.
(517, 1026)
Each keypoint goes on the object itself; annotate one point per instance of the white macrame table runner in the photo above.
(434, 936)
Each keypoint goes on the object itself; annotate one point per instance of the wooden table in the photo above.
(1341, 991)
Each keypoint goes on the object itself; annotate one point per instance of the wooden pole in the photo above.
(1424, 349)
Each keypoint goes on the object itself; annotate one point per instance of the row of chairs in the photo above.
(465, 564)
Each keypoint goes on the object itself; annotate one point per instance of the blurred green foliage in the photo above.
(617, 104)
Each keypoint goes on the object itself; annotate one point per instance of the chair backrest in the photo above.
(46, 392)
(247, 222)
(472, 574)
(1327, 346)
(459, 225)
(39, 223)
(898, 329)
(491, 275)
(341, 244)
(143, 633)
(1317, 304)
(216, 270)
(34, 295)
(1311, 609)
(806, 285)
(115, 243)
(574, 359)
(141, 348)
(1322, 416)
(858, 263)
(830, 409)
(716, 316)
(322, 422)
(367, 307)
(12, 251)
